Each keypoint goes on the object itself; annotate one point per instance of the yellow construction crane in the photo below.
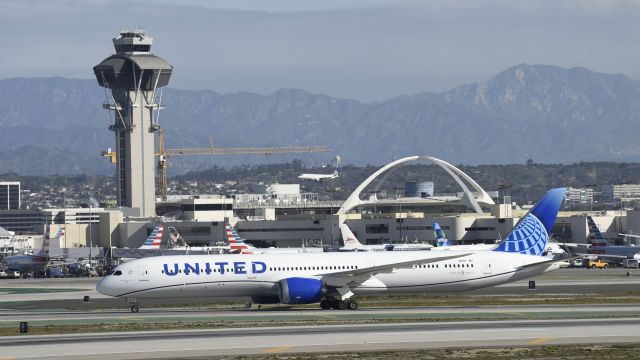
(164, 155)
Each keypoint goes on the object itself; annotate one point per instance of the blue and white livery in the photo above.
(334, 278)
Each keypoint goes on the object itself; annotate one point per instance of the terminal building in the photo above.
(9, 195)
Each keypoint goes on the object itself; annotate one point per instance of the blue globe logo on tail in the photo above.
(531, 233)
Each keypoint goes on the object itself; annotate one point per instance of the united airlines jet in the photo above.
(332, 279)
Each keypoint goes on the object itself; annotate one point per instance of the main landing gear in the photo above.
(333, 303)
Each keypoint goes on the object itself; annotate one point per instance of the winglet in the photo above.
(531, 233)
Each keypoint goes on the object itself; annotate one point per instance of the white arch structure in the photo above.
(354, 200)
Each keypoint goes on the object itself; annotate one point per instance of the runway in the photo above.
(11, 318)
(269, 340)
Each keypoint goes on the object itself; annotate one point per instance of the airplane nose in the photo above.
(101, 287)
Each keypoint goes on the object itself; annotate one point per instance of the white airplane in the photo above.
(444, 244)
(319, 177)
(25, 263)
(351, 243)
(332, 279)
(238, 246)
(601, 247)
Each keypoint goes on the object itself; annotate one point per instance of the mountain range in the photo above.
(540, 112)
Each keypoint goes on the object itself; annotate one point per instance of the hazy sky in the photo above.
(361, 49)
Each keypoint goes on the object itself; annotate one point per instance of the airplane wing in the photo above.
(550, 261)
(356, 276)
(629, 235)
(611, 256)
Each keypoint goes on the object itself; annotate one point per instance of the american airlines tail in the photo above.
(236, 243)
(440, 236)
(531, 233)
(595, 236)
(44, 251)
(154, 239)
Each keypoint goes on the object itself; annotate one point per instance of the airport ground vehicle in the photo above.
(599, 264)
(631, 263)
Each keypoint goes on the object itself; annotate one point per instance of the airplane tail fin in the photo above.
(595, 236)
(531, 233)
(236, 243)
(348, 238)
(175, 239)
(44, 251)
(155, 238)
(440, 236)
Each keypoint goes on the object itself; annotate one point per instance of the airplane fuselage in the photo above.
(259, 276)
(26, 263)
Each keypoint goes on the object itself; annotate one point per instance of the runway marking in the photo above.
(539, 340)
(278, 349)
(514, 313)
(326, 316)
(130, 318)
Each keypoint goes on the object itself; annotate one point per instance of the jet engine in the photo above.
(301, 291)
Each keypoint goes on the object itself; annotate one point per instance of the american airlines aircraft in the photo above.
(238, 246)
(332, 279)
(26, 263)
(601, 247)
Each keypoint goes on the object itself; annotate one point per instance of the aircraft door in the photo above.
(143, 273)
(487, 266)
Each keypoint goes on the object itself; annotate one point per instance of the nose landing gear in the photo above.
(134, 304)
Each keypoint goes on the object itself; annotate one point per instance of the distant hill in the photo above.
(545, 113)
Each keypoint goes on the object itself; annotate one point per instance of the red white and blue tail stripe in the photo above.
(236, 243)
(154, 239)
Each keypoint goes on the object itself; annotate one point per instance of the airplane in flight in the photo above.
(27, 263)
(332, 279)
(319, 177)
(351, 243)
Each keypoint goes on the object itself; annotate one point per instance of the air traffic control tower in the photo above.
(134, 77)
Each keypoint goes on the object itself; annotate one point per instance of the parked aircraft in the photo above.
(441, 238)
(238, 246)
(600, 246)
(27, 263)
(332, 279)
(351, 243)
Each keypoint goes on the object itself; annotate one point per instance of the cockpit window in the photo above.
(117, 273)
(110, 272)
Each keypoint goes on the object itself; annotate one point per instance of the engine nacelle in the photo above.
(301, 291)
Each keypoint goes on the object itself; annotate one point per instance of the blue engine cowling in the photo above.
(301, 291)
